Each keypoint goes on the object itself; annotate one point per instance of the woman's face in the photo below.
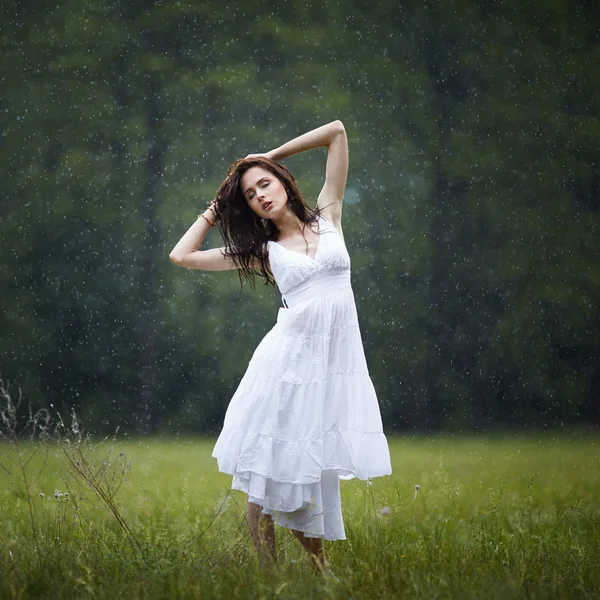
(263, 192)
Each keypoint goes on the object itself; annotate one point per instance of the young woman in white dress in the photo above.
(305, 414)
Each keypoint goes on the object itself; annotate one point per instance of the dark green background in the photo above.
(471, 215)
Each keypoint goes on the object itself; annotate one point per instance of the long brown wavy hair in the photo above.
(244, 233)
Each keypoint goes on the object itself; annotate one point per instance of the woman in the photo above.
(305, 413)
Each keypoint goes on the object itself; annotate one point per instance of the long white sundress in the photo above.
(305, 414)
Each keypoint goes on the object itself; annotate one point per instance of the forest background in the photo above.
(472, 212)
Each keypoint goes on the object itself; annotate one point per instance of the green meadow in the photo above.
(499, 516)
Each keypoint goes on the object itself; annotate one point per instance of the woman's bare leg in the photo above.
(314, 546)
(263, 534)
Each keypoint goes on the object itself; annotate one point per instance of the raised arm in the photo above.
(333, 137)
(186, 253)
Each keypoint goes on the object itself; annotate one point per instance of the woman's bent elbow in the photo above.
(175, 258)
(339, 126)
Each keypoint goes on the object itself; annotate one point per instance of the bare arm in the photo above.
(333, 137)
(186, 253)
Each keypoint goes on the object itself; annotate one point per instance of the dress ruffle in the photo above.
(314, 509)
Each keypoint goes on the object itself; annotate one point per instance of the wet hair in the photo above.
(244, 233)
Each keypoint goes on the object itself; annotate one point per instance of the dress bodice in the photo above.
(297, 273)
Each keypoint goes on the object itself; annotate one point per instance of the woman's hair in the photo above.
(244, 233)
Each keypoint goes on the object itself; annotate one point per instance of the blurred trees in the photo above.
(472, 212)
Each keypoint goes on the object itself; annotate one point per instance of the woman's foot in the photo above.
(322, 568)
(314, 547)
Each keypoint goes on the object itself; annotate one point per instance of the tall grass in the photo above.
(514, 516)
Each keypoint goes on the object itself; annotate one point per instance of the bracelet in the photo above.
(207, 219)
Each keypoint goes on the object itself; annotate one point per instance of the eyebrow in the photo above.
(261, 179)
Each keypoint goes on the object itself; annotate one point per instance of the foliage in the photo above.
(472, 212)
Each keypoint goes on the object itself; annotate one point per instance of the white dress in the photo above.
(305, 413)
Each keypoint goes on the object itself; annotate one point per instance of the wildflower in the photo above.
(41, 494)
(386, 510)
(369, 482)
(417, 487)
(56, 493)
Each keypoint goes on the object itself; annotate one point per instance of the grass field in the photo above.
(510, 516)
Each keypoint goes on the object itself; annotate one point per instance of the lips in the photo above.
(267, 205)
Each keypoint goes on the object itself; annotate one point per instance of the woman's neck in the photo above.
(289, 225)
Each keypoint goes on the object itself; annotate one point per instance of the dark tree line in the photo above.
(471, 215)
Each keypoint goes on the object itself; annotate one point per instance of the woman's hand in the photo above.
(268, 155)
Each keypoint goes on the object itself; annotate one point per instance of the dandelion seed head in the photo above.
(56, 494)
(417, 487)
(41, 494)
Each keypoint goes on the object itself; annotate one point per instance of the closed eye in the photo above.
(262, 183)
